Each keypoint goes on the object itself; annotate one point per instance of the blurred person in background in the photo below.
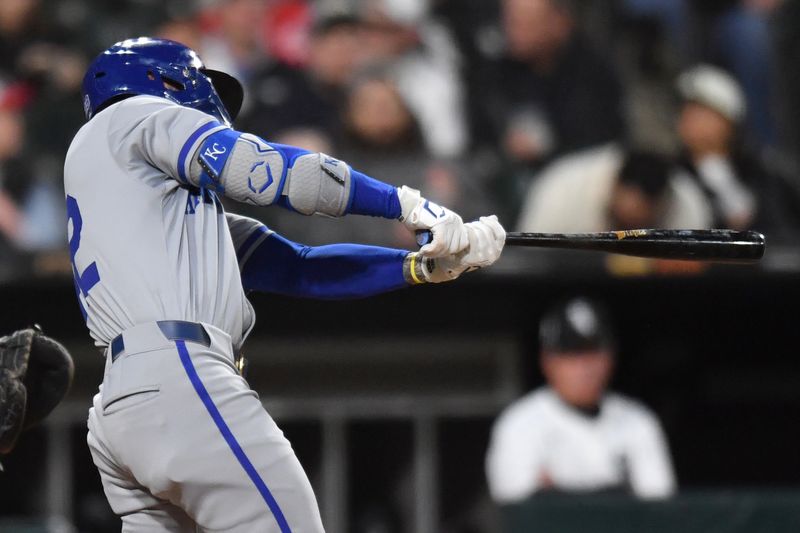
(573, 435)
(184, 28)
(745, 191)
(609, 188)
(12, 131)
(382, 136)
(232, 40)
(31, 216)
(425, 64)
(37, 57)
(18, 28)
(713, 107)
(54, 73)
(736, 34)
(287, 27)
(302, 106)
(549, 93)
(37, 78)
(383, 133)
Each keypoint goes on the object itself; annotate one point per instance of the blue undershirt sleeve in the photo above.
(372, 197)
(335, 271)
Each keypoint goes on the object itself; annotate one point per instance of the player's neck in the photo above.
(591, 411)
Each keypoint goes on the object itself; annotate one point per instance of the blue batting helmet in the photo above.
(164, 68)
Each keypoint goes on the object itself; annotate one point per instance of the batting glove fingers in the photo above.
(486, 241)
(447, 228)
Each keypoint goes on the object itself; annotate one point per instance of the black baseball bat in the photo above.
(714, 245)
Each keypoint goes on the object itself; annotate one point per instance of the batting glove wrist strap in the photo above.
(414, 270)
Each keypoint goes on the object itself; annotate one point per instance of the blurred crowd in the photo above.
(558, 115)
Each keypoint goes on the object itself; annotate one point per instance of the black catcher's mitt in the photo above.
(35, 374)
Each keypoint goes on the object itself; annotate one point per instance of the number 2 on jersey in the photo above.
(84, 281)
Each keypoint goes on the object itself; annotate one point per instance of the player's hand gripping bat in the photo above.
(714, 245)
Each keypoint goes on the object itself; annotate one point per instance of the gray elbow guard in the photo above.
(248, 169)
(318, 184)
(240, 166)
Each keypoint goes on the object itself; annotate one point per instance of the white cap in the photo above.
(715, 88)
(406, 12)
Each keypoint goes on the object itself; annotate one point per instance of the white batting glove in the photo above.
(448, 230)
(487, 239)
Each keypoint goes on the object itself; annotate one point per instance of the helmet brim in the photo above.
(229, 89)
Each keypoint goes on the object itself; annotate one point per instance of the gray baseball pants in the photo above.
(183, 444)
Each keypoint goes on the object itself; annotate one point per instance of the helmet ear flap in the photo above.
(228, 88)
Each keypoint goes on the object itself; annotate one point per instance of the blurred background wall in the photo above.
(555, 114)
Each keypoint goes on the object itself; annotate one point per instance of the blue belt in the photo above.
(174, 330)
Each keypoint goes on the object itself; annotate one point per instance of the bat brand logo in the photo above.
(630, 233)
(214, 151)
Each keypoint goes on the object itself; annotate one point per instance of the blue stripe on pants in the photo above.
(229, 438)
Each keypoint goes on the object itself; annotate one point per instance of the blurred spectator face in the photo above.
(535, 29)
(385, 41)
(240, 21)
(15, 14)
(632, 208)
(56, 66)
(704, 131)
(377, 113)
(334, 54)
(580, 378)
(12, 133)
(184, 31)
(714, 103)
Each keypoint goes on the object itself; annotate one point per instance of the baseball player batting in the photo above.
(181, 441)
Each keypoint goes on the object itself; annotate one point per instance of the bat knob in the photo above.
(424, 237)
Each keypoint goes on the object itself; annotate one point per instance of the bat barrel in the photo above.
(698, 245)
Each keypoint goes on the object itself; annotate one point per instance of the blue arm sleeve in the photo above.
(336, 271)
(368, 196)
(372, 197)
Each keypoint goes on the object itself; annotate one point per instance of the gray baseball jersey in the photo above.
(143, 246)
(180, 440)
